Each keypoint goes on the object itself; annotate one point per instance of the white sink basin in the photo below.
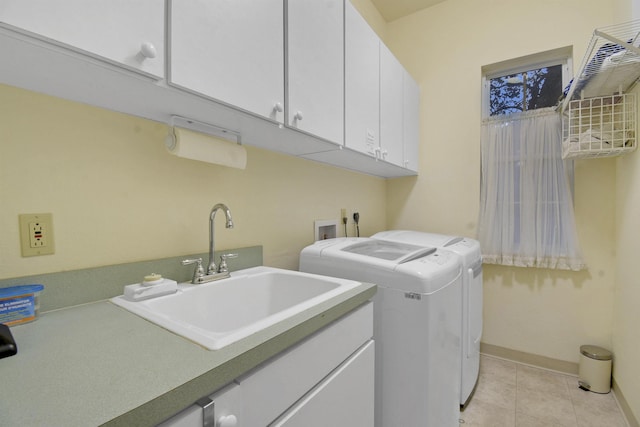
(216, 314)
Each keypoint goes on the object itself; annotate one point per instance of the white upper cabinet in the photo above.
(126, 32)
(248, 66)
(315, 64)
(391, 107)
(399, 112)
(362, 84)
(411, 122)
(231, 51)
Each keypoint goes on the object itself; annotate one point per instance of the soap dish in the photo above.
(150, 289)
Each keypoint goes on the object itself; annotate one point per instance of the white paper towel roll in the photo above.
(205, 148)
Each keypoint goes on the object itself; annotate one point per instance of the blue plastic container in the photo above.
(19, 304)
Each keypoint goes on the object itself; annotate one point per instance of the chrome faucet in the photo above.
(211, 269)
(212, 273)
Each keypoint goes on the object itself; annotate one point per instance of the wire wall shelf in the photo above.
(599, 115)
(600, 127)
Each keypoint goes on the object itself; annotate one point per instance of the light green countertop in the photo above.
(97, 364)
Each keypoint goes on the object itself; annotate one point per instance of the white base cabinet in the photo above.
(327, 379)
(343, 399)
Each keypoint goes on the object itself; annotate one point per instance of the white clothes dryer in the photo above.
(469, 251)
(417, 326)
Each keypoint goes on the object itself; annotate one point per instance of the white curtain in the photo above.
(526, 207)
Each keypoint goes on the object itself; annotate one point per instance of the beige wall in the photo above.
(537, 311)
(117, 196)
(626, 339)
(544, 312)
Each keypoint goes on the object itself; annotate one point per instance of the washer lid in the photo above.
(419, 238)
(390, 251)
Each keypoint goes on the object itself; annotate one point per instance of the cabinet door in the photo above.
(281, 382)
(124, 31)
(362, 89)
(411, 120)
(391, 107)
(230, 50)
(315, 67)
(344, 399)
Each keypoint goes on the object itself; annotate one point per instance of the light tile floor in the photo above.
(510, 394)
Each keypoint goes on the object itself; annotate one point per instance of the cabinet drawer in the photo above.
(277, 384)
(344, 399)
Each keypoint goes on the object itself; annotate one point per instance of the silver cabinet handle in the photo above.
(208, 413)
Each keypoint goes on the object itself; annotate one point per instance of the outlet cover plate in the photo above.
(36, 234)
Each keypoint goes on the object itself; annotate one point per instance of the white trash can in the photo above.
(595, 369)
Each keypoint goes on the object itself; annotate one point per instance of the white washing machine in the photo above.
(417, 315)
(469, 251)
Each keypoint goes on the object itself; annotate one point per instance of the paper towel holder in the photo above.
(202, 127)
(195, 140)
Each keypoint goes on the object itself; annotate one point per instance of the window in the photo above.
(526, 90)
(526, 210)
(526, 83)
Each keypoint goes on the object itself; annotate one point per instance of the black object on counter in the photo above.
(8, 346)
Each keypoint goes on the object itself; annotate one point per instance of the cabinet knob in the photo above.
(298, 115)
(228, 421)
(148, 50)
(277, 107)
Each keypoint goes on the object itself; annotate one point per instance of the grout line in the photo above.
(515, 414)
(567, 378)
(573, 403)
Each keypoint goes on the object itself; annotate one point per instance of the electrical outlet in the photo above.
(36, 234)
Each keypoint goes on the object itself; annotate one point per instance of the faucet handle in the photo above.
(198, 272)
(223, 268)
